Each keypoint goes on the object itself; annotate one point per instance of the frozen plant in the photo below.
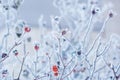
(66, 51)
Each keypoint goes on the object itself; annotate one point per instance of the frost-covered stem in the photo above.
(69, 72)
(36, 61)
(62, 72)
(98, 55)
(69, 62)
(112, 68)
(115, 75)
(70, 43)
(94, 64)
(22, 66)
(26, 66)
(95, 61)
(8, 28)
(87, 31)
(118, 68)
(43, 76)
(49, 58)
(65, 68)
(24, 47)
(102, 30)
(60, 52)
(100, 69)
(105, 49)
(15, 45)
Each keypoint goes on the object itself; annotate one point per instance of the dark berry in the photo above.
(63, 32)
(81, 64)
(110, 15)
(93, 12)
(111, 77)
(48, 74)
(114, 58)
(29, 39)
(84, 8)
(64, 39)
(55, 74)
(15, 7)
(18, 35)
(6, 7)
(56, 18)
(79, 52)
(15, 52)
(4, 55)
(4, 71)
(58, 62)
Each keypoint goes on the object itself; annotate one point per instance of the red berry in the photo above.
(27, 29)
(36, 47)
(55, 68)
(16, 54)
(55, 74)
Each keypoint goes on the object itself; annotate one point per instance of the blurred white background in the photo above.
(31, 10)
